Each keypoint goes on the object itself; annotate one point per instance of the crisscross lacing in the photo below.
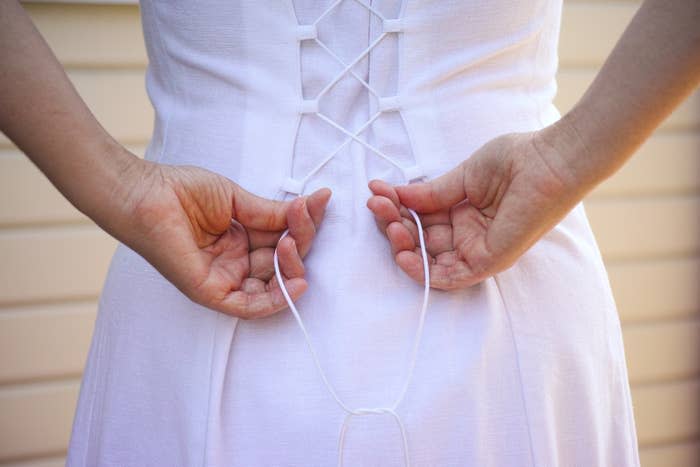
(297, 187)
(410, 173)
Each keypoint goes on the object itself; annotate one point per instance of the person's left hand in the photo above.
(480, 217)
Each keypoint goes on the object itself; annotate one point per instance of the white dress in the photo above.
(287, 96)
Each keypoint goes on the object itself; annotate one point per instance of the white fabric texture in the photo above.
(284, 97)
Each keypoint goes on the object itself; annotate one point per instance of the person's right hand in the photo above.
(215, 241)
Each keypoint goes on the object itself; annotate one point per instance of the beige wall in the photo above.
(53, 259)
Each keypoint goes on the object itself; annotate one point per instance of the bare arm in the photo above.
(654, 66)
(179, 218)
(485, 213)
(41, 112)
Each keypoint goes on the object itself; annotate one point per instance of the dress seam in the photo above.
(518, 369)
(538, 112)
(170, 83)
(175, 91)
(211, 373)
(533, 78)
(400, 90)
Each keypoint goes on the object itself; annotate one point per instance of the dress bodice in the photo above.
(273, 90)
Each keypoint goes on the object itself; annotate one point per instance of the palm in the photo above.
(215, 242)
(477, 219)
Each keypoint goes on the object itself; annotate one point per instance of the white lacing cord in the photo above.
(350, 137)
(412, 363)
(297, 187)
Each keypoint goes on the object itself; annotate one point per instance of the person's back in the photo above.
(286, 99)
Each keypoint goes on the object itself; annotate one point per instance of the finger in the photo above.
(412, 264)
(258, 213)
(316, 203)
(251, 285)
(384, 210)
(452, 274)
(289, 258)
(435, 195)
(438, 239)
(261, 264)
(301, 225)
(400, 238)
(262, 238)
(258, 305)
(382, 188)
(444, 275)
(435, 218)
(411, 226)
(470, 230)
(403, 210)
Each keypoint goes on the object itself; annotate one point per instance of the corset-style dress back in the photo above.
(283, 97)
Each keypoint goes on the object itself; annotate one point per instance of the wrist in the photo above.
(107, 201)
(575, 151)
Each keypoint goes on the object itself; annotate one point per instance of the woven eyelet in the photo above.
(292, 185)
(392, 25)
(306, 32)
(389, 103)
(413, 172)
(308, 106)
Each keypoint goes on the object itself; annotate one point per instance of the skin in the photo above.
(211, 238)
(480, 217)
(214, 240)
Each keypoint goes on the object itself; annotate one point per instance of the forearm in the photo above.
(41, 112)
(653, 67)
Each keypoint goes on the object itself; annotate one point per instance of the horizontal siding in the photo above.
(643, 227)
(58, 263)
(661, 351)
(127, 115)
(51, 461)
(667, 163)
(35, 420)
(574, 82)
(45, 341)
(685, 454)
(114, 32)
(577, 46)
(667, 412)
(657, 289)
(29, 198)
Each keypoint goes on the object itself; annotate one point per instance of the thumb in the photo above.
(256, 212)
(435, 195)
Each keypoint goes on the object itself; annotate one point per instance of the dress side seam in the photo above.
(171, 83)
(211, 373)
(506, 309)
